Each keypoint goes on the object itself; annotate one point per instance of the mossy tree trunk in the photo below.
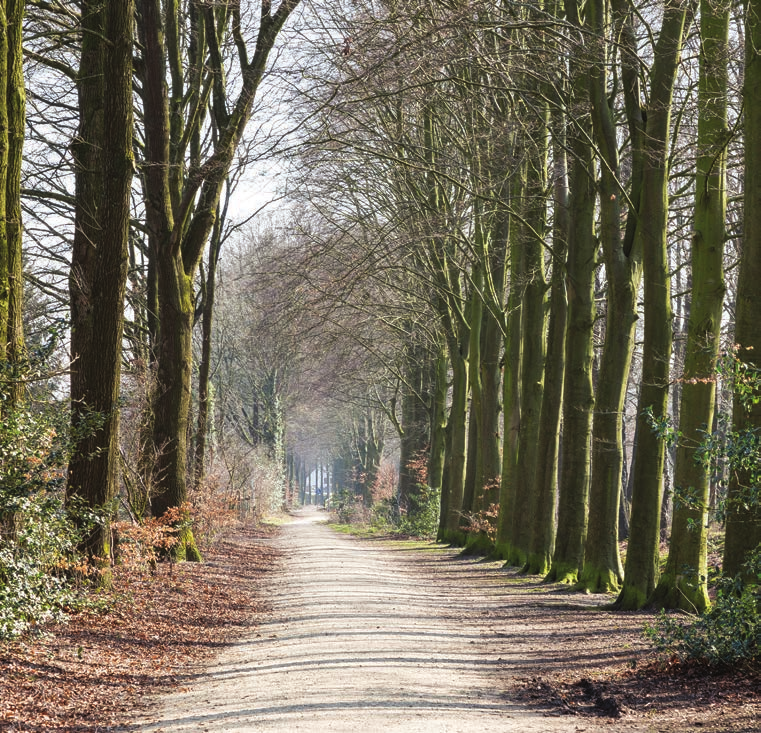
(205, 404)
(457, 432)
(743, 503)
(683, 583)
(473, 468)
(489, 460)
(578, 393)
(511, 403)
(533, 331)
(642, 559)
(490, 371)
(11, 232)
(104, 164)
(542, 540)
(12, 130)
(438, 421)
(603, 571)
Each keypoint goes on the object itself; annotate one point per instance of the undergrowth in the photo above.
(727, 634)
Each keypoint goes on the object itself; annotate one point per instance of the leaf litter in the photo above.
(93, 672)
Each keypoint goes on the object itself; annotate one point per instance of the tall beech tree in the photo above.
(97, 281)
(12, 121)
(603, 570)
(542, 541)
(651, 235)
(743, 505)
(578, 390)
(183, 184)
(533, 322)
(683, 583)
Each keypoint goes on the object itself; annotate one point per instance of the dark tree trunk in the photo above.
(103, 155)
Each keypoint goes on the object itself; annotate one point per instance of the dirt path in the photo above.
(375, 636)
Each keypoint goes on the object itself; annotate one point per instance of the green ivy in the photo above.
(40, 567)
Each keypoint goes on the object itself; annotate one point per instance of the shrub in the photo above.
(422, 517)
(726, 634)
(39, 563)
(384, 514)
(40, 566)
(347, 507)
(141, 544)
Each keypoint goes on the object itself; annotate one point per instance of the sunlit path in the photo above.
(366, 636)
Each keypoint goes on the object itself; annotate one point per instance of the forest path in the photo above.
(368, 635)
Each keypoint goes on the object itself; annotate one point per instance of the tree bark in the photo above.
(542, 541)
(533, 336)
(642, 559)
(683, 584)
(578, 393)
(104, 164)
(205, 405)
(13, 327)
(603, 571)
(511, 386)
(438, 422)
(743, 512)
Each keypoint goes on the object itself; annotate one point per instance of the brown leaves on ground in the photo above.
(88, 674)
(93, 672)
(678, 696)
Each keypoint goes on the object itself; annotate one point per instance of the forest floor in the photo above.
(299, 628)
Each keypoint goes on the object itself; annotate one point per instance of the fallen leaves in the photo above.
(88, 674)
(694, 695)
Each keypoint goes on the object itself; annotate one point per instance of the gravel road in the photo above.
(371, 636)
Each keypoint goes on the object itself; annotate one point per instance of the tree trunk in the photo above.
(511, 403)
(491, 461)
(542, 542)
(578, 393)
(12, 130)
(533, 335)
(204, 367)
(438, 423)
(103, 155)
(473, 468)
(743, 506)
(683, 583)
(603, 571)
(642, 558)
(457, 423)
(13, 326)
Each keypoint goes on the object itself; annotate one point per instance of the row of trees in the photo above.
(488, 206)
(494, 205)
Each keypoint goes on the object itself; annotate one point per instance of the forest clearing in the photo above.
(300, 628)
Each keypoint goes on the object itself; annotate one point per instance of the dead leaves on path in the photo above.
(88, 674)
